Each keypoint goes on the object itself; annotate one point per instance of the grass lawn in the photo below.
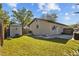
(29, 46)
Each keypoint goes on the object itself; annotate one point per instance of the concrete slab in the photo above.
(57, 36)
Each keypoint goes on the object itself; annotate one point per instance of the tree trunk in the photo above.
(22, 30)
(1, 34)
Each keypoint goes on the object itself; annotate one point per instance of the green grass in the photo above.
(29, 46)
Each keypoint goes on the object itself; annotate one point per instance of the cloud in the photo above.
(47, 7)
(73, 7)
(44, 12)
(70, 14)
(67, 17)
(53, 6)
(66, 14)
(32, 4)
(73, 14)
(41, 6)
(14, 9)
(78, 6)
(13, 5)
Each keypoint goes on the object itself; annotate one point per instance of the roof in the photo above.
(47, 21)
(26, 27)
(15, 25)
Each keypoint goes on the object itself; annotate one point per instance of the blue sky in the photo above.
(64, 11)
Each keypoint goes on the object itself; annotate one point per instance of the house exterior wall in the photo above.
(45, 28)
(15, 29)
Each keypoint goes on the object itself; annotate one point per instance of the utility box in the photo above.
(68, 31)
(76, 34)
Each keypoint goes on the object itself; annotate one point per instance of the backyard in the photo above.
(32, 46)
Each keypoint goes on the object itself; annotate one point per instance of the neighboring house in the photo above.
(46, 27)
(68, 31)
(15, 29)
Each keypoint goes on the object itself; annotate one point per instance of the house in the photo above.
(15, 29)
(46, 27)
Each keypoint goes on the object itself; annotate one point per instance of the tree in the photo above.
(51, 17)
(4, 18)
(75, 25)
(23, 16)
(12, 22)
(1, 40)
(0, 6)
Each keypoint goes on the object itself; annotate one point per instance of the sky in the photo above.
(64, 11)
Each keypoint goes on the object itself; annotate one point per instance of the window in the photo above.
(54, 27)
(16, 28)
(37, 26)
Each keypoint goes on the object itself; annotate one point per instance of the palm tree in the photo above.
(4, 18)
(0, 6)
(1, 33)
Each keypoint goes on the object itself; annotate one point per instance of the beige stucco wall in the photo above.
(45, 28)
(15, 29)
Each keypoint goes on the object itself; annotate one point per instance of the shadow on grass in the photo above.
(57, 40)
(10, 38)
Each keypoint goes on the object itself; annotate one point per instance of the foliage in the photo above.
(74, 25)
(30, 46)
(4, 17)
(12, 22)
(23, 16)
(0, 6)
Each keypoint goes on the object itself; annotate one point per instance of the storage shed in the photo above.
(15, 29)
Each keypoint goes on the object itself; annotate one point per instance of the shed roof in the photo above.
(15, 25)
